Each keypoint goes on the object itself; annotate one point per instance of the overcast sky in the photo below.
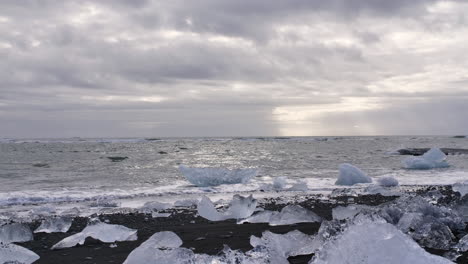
(233, 68)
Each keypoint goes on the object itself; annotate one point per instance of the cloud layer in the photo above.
(232, 68)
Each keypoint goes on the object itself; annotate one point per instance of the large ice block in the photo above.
(350, 175)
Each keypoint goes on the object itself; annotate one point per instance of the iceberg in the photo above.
(15, 232)
(54, 224)
(11, 253)
(205, 177)
(374, 243)
(240, 207)
(350, 175)
(290, 214)
(434, 158)
(388, 181)
(106, 233)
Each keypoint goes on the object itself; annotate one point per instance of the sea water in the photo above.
(45, 174)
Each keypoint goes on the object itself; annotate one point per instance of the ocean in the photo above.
(79, 172)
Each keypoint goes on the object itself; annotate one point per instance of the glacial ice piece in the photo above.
(149, 250)
(290, 214)
(205, 177)
(279, 183)
(11, 253)
(374, 243)
(54, 224)
(15, 232)
(388, 181)
(350, 175)
(155, 206)
(299, 186)
(106, 233)
(240, 207)
(462, 244)
(434, 158)
(348, 212)
(293, 243)
(461, 187)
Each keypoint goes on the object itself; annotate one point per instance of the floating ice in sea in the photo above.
(54, 224)
(240, 207)
(374, 243)
(290, 214)
(350, 175)
(434, 158)
(11, 253)
(204, 177)
(387, 181)
(104, 232)
(15, 232)
(283, 246)
(279, 183)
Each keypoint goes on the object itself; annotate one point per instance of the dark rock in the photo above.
(162, 152)
(459, 136)
(152, 139)
(117, 159)
(420, 151)
(41, 165)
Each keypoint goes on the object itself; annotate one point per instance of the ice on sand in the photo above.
(462, 244)
(240, 207)
(434, 158)
(106, 233)
(11, 253)
(283, 246)
(15, 232)
(149, 251)
(291, 214)
(461, 187)
(204, 177)
(374, 243)
(348, 212)
(55, 224)
(387, 181)
(350, 175)
(155, 206)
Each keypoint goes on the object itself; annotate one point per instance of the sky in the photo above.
(140, 68)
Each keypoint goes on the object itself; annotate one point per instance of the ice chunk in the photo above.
(434, 158)
(186, 202)
(204, 177)
(54, 224)
(106, 233)
(299, 186)
(11, 253)
(462, 244)
(15, 232)
(461, 187)
(293, 243)
(279, 183)
(155, 206)
(149, 251)
(291, 214)
(350, 175)
(240, 207)
(348, 212)
(388, 181)
(374, 243)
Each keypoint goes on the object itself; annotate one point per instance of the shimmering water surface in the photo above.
(66, 170)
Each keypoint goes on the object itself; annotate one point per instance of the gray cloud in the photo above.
(175, 68)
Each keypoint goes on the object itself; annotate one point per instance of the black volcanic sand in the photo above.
(197, 233)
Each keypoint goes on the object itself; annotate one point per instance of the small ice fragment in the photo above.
(11, 253)
(461, 187)
(155, 206)
(291, 214)
(350, 175)
(205, 177)
(293, 243)
(279, 183)
(240, 207)
(186, 202)
(54, 224)
(15, 232)
(462, 244)
(434, 158)
(150, 250)
(158, 214)
(104, 232)
(113, 245)
(299, 186)
(374, 243)
(388, 181)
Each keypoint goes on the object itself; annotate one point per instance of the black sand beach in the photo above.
(197, 233)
